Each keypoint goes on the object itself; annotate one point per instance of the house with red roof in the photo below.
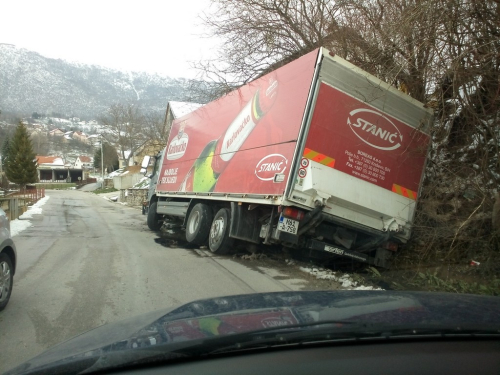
(84, 162)
(51, 169)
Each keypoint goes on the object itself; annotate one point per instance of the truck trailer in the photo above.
(318, 156)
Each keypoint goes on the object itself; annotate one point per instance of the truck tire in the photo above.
(218, 240)
(154, 220)
(198, 224)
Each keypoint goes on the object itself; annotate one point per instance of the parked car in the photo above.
(8, 259)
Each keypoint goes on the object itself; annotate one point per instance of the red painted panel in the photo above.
(365, 142)
(223, 146)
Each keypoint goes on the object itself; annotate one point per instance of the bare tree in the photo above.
(260, 33)
(155, 129)
(40, 143)
(465, 170)
(125, 129)
(392, 39)
(445, 53)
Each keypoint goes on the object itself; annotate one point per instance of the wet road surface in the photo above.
(87, 261)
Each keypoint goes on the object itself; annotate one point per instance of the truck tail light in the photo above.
(293, 213)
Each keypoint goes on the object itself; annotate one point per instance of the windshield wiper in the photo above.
(323, 332)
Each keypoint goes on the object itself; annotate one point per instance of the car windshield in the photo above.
(317, 170)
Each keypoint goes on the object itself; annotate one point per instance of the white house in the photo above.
(84, 162)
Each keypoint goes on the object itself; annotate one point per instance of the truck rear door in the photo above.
(364, 149)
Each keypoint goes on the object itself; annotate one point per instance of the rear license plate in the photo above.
(288, 225)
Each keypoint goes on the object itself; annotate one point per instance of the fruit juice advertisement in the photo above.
(242, 141)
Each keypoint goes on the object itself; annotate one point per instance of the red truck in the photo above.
(317, 155)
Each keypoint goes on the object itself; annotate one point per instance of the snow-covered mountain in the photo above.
(31, 83)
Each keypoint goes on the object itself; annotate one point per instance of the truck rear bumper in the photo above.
(350, 254)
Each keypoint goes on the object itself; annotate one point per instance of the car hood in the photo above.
(225, 316)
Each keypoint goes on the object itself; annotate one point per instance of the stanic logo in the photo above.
(375, 129)
(269, 165)
(275, 322)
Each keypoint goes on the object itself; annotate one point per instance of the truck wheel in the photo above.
(154, 220)
(218, 240)
(6, 280)
(198, 224)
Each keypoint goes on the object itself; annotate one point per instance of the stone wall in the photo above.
(108, 183)
(133, 197)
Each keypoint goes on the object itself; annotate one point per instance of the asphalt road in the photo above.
(87, 261)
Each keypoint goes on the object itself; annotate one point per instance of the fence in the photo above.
(15, 204)
(56, 186)
(32, 194)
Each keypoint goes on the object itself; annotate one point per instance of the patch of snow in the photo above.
(115, 173)
(143, 183)
(109, 198)
(132, 85)
(180, 109)
(17, 226)
(36, 209)
(346, 280)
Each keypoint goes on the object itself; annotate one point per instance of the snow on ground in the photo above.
(143, 183)
(110, 196)
(115, 173)
(346, 281)
(36, 209)
(18, 225)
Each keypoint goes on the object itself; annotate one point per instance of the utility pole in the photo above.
(102, 163)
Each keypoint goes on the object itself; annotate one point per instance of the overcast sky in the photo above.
(146, 35)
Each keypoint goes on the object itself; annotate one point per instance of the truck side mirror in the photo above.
(145, 164)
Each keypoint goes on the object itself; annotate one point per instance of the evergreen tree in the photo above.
(5, 152)
(110, 157)
(21, 166)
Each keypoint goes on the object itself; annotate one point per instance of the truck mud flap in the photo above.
(339, 251)
(244, 224)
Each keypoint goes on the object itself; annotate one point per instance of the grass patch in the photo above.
(431, 281)
(461, 280)
(56, 186)
(105, 190)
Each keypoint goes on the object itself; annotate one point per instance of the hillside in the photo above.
(30, 82)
